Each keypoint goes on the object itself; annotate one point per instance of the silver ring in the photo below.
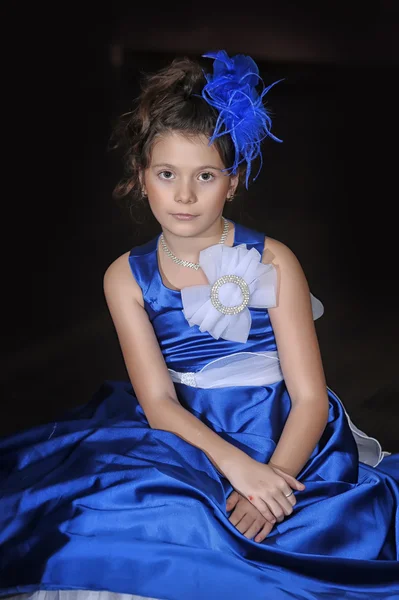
(290, 494)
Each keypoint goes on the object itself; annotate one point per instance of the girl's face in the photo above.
(185, 185)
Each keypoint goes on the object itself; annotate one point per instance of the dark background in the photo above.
(329, 191)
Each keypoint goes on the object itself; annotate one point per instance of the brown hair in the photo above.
(170, 100)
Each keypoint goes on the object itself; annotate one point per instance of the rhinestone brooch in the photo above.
(230, 310)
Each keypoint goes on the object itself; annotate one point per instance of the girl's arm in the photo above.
(157, 396)
(147, 369)
(299, 354)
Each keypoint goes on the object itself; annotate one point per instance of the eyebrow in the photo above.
(197, 169)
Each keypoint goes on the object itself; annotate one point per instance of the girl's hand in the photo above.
(267, 488)
(246, 518)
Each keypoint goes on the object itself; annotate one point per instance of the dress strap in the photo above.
(249, 237)
(143, 263)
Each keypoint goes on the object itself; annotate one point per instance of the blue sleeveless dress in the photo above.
(100, 501)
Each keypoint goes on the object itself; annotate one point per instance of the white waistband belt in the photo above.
(243, 368)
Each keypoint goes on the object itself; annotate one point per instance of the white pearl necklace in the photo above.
(187, 263)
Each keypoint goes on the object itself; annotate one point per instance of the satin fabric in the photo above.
(100, 501)
(186, 348)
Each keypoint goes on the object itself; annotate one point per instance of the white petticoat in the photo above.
(77, 595)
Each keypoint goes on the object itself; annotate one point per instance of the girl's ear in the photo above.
(234, 180)
(142, 183)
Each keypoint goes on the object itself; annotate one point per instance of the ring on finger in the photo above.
(288, 495)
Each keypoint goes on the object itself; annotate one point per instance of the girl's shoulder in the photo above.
(275, 251)
(128, 274)
(119, 279)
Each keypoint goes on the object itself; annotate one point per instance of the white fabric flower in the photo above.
(208, 306)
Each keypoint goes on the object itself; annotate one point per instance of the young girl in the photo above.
(227, 468)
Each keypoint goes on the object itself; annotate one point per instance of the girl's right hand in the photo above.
(267, 490)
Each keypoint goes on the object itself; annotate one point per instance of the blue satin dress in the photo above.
(100, 501)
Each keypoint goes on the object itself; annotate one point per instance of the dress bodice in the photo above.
(184, 347)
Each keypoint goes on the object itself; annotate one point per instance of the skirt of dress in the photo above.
(100, 501)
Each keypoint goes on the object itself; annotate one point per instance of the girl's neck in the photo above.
(189, 248)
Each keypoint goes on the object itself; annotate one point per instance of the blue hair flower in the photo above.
(231, 89)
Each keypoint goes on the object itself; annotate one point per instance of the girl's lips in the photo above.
(184, 216)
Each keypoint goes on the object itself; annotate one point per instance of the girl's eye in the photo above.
(166, 175)
(207, 176)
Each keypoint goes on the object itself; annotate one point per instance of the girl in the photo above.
(227, 468)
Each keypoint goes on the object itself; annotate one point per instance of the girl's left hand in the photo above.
(246, 518)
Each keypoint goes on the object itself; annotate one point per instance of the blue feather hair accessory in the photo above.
(231, 89)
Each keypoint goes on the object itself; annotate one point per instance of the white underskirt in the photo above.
(77, 595)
